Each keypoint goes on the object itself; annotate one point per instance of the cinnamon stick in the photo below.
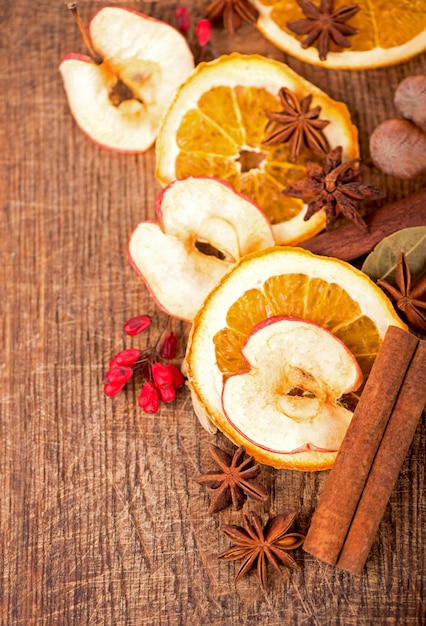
(348, 478)
(348, 242)
(386, 466)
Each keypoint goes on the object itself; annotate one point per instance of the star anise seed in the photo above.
(297, 124)
(233, 483)
(233, 13)
(332, 188)
(410, 300)
(259, 546)
(323, 25)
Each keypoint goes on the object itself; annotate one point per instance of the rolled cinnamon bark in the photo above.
(386, 466)
(347, 479)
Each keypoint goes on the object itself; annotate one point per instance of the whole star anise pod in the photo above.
(298, 124)
(259, 546)
(333, 188)
(323, 25)
(410, 300)
(233, 482)
(233, 12)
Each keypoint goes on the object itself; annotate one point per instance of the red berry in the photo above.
(167, 394)
(125, 357)
(137, 325)
(161, 375)
(118, 375)
(178, 378)
(203, 31)
(169, 345)
(163, 381)
(112, 389)
(182, 17)
(148, 399)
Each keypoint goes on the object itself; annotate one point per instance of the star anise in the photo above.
(233, 12)
(298, 124)
(233, 483)
(333, 188)
(323, 25)
(410, 300)
(257, 545)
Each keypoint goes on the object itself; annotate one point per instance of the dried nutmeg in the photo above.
(410, 100)
(398, 148)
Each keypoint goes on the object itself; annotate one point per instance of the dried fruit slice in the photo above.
(119, 102)
(389, 32)
(215, 127)
(204, 227)
(295, 377)
(280, 281)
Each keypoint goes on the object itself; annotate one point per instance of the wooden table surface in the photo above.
(101, 522)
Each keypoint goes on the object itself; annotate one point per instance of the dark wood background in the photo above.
(101, 522)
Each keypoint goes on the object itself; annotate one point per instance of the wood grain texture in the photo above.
(101, 522)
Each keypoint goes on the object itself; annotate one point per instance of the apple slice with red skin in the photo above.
(204, 227)
(120, 101)
(287, 401)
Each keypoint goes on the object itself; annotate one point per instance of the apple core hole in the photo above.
(206, 248)
(349, 401)
(121, 92)
(250, 160)
(298, 391)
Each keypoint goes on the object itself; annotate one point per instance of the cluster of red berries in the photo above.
(203, 29)
(160, 380)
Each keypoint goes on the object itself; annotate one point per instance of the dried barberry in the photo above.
(160, 380)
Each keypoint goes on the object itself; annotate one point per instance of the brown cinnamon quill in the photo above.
(390, 456)
(358, 487)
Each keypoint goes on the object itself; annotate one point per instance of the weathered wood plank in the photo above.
(100, 520)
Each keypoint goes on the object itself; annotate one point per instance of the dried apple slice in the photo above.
(120, 101)
(204, 227)
(296, 374)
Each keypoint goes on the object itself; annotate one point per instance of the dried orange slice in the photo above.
(389, 32)
(281, 281)
(215, 127)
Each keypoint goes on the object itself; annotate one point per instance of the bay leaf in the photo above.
(382, 261)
